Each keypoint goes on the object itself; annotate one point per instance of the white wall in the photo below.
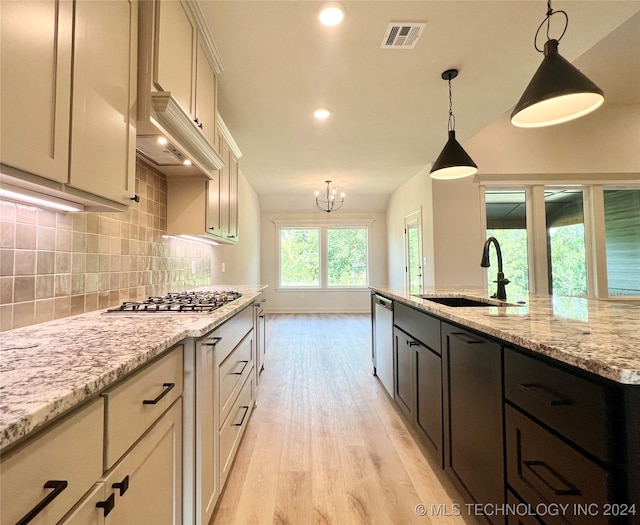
(242, 260)
(458, 233)
(321, 301)
(452, 237)
(412, 196)
(604, 142)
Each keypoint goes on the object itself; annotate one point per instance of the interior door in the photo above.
(413, 251)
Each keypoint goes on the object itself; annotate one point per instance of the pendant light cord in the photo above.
(452, 118)
(547, 20)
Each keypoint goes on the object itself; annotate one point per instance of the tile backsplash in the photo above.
(54, 265)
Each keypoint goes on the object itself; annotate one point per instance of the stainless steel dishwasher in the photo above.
(383, 341)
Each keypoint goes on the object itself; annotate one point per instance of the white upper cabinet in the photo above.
(177, 92)
(206, 95)
(35, 73)
(103, 134)
(68, 117)
(174, 51)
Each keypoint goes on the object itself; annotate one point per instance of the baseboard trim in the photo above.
(316, 310)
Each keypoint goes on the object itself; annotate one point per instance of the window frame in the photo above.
(322, 227)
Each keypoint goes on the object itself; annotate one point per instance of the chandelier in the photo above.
(330, 204)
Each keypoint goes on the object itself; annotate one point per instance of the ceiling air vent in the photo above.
(402, 35)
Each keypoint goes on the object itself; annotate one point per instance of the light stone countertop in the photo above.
(47, 369)
(602, 337)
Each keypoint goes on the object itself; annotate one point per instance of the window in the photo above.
(507, 222)
(323, 257)
(567, 249)
(566, 243)
(622, 231)
(300, 257)
(346, 257)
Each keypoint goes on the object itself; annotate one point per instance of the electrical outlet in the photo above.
(224, 267)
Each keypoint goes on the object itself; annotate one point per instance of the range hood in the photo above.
(171, 142)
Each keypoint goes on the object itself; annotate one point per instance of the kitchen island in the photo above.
(532, 405)
(601, 337)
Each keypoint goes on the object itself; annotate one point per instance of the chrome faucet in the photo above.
(501, 293)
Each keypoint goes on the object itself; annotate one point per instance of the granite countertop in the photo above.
(602, 337)
(49, 368)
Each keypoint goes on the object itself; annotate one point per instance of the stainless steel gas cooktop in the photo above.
(181, 302)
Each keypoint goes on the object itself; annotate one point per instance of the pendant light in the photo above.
(453, 162)
(558, 91)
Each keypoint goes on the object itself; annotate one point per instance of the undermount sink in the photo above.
(457, 302)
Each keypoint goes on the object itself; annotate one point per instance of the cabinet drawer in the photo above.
(521, 515)
(231, 333)
(233, 372)
(545, 470)
(420, 325)
(70, 452)
(233, 428)
(133, 405)
(573, 406)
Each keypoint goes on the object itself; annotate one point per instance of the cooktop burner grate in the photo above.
(179, 302)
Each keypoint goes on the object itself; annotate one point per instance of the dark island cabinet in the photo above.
(418, 374)
(572, 442)
(473, 415)
(519, 432)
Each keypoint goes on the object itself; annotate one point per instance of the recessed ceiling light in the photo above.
(186, 162)
(163, 141)
(321, 113)
(331, 14)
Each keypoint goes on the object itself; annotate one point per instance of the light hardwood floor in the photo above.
(325, 445)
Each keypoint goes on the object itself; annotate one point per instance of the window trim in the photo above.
(322, 226)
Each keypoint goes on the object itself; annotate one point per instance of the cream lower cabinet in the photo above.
(145, 487)
(45, 477)
(68, 117)
(218, 367)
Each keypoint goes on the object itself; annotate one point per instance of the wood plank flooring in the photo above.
(325, 445)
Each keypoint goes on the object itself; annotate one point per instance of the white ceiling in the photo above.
(390, 107)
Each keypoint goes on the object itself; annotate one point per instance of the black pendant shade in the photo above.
(558, 92)
(453, 162)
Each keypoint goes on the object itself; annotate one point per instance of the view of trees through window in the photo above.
(566, 248)
(347, 257)
(567, 257)
(507, 222)
(514, 259)
(300, 257)
(301, 264)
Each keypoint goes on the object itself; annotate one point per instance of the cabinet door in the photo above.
(147, 483)
(213, 207)
(205, 98)
(49, 474)
(175, 53)
(207, 476)
(404, 357)
(104, 94)
(429, 397)
(35, 91)
(88, 512)
(475, 431)
(225, 187)
(233, 198)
